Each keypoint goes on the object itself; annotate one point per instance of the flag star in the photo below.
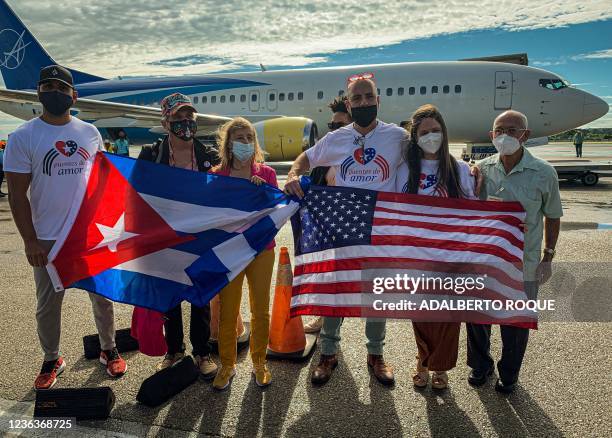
(346, 224)
(335, 213)
(363, 212)
(113, 236)
(355, 218)
(325, 239)
(349, 211)
(338, 194)
(353, 229)
(332, 225)
(362, 224)
(343, 206)
(336, 201)
(67, 149)
(353, 195)
(309, 202)
(341, 218)
(315, 208)
(329, 207)
(367, 197)
(316, 196)
(327, 219)
(361, 235)
(345, 236)
(324, 192)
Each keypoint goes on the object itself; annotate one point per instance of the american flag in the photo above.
(346, 236)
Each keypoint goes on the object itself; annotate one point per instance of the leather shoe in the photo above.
(505, 388)
(325, 368)
(382, 371)
(479, 377)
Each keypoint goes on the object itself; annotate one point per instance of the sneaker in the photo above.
(115, 365)
(208, 367)
(169, 360)
(49, 372)
(224, 377)
(262, 374)
(314, 326)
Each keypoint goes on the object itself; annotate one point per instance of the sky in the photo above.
(113, 38)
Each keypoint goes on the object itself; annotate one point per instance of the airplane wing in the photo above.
(112, 114)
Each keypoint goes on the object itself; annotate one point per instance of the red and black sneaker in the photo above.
(115, 365)
(49, 372)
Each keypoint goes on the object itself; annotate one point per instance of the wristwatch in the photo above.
(550, 251)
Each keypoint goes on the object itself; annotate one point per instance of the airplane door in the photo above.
(254, 101)
(272, 100)
(503, 90)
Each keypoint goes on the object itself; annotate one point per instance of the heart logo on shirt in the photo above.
(66, 148)
(364, 156)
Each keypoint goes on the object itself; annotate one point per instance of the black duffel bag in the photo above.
(168, 382)
(82, 403)
(123, 339)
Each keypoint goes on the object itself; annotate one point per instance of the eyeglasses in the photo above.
(335, 125)
(359, 77)
(512, 132)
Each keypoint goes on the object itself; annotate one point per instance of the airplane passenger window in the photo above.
(222, 99)
(253, 97)
(300, 95)
(204, 99)
(271, 97)
(400, 91)
(423, 90)
(457, 88)
(232, 98)
(434, 89)
(213, 99)
(320, 95)
(290, 96)
(243, 98)
(281, 96)
(195, 99)
(389, 91)
(411, 90)
(446, 89)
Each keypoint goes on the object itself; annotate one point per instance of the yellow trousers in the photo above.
(259, 277)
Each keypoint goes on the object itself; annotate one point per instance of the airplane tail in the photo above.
(22, 56)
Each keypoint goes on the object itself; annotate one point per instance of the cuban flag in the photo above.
(152, 235)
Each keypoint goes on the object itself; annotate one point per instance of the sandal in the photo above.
(439, 380)
(420, 378)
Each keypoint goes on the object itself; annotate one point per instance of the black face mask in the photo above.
(184, 129)
(55, 102)
(364, 115)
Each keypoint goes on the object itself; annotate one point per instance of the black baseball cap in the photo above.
(56, 73)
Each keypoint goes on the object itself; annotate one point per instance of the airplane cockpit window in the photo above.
(553, 84)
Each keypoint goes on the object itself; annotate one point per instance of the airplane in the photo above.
(289, 107)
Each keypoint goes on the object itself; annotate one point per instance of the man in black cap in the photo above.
(47, 155)
(180, 148)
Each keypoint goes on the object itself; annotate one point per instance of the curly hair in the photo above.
(338, 105)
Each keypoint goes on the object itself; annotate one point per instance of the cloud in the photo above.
(600, 54)
(141, 37)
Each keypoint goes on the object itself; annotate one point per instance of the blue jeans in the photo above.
(330, 335)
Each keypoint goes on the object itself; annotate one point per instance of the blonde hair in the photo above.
(224, 141)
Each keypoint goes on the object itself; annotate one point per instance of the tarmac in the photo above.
(564, 388)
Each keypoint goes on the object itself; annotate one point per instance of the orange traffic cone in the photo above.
(287, 337)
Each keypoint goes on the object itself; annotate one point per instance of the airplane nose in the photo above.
(594, 108)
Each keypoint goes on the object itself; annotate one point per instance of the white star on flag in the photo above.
(113, 236)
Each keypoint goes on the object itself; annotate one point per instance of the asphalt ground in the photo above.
(564, 384)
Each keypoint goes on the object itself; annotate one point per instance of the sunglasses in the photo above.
(359, 77)
(335, 125)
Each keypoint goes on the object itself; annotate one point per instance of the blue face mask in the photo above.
(243, 151)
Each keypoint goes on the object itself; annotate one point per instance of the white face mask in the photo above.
(431, 142)
(506, 144)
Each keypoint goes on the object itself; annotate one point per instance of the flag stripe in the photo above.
(442, 202)
(511, 222)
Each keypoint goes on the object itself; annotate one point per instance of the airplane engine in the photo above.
(285, 138)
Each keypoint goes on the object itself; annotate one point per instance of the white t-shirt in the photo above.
(56, 157)
(429, 179)
(372, 166)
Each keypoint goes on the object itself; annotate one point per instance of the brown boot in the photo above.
(382, 371)
(323, 371)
